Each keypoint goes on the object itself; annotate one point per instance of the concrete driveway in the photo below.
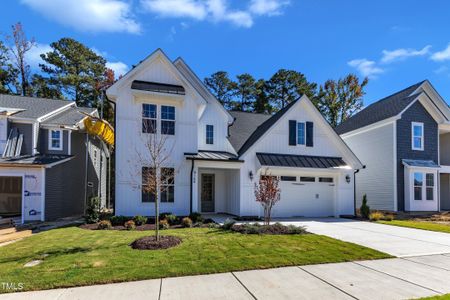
(394, 240)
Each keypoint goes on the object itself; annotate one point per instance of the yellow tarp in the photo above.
(100, 128)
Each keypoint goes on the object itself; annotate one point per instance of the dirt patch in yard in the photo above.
(150, 243)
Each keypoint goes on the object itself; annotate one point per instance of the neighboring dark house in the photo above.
(49, 165)
(404, 141)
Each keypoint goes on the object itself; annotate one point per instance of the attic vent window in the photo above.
(158, 87)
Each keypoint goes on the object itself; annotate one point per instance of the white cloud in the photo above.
(118, 67)
(214, 10)
(89, 15)
(267, 7)
(441, 70)
(442, 55)
(366, 67)
(402, 54)
(33, 56)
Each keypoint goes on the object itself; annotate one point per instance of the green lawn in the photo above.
(419, 225)
(442, 297)
(83, 257)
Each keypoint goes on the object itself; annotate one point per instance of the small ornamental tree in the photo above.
(267, 193)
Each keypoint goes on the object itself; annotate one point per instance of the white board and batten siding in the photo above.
(293, 202)
(375, 149)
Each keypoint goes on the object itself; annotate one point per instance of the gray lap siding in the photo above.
(416, 113)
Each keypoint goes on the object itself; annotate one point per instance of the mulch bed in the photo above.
(150, 243)
(267, 229)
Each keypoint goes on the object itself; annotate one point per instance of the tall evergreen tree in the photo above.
(261, 104)
(221, 86)
(339, 100)
(42, 87)
(8, 73)
(76, 69)
(245, 90)
(286, 86)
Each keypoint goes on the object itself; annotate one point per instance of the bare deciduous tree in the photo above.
(20, 45)
(267, 193)
(154, 161)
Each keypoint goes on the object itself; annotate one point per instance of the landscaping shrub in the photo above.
(93, 210)
(164, 224)
(376, 215)
(186, 222)
(365, 209)
(208, 221)
(228, 224)
(140, 220)
(276, 228)
(118, 220)
(196, 217)
(164, 215)
(389, 217)
(104, 225)
(129, 225)
(172, 219)
(105, 214)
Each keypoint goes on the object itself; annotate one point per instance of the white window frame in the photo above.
(50, 139)
(421, 186)
(150, 118)
(206, 134)
(432, 187)
(413, 147)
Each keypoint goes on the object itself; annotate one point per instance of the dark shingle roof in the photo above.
(69, 117)
(157, 87)
(33, 160)
(33, 107)
(244, 125)
(299, 161)
(249, 127)
(380, 110)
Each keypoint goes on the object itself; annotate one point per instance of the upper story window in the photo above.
(55, 139)
(210, 134)
(149, 118)
(301, 133)
(417, 136)
(168, 120)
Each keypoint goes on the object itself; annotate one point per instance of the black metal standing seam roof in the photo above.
(262, 128)
(33, 108)
(383, 109)
(212, 155)
(157, 87)
(299, 161)
(34, 160)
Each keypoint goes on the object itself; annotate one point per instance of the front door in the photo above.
(207, 193)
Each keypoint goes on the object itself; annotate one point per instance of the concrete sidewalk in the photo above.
(398, 278)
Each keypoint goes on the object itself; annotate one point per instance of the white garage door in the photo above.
(306, 196)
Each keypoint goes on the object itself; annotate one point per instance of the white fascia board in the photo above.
(420, 168)
(113, 90)
(303, 170)
(56, 111)
(372, 126)
(431, 92)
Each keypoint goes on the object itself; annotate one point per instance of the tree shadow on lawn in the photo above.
(54, 253)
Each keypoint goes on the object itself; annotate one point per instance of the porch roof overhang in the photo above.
(213, 156)
(416, 163)
(300, 161)
(40, 161)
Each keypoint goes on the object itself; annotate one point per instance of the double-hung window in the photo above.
(417, 136)
(429, 180)
(418, 183)
(149, 118)
(55, 139)
(301, 133)
(167, 184)
(148, 179)
(209, 134)
(168, 120)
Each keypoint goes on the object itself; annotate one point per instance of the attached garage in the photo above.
(306, 195)
(10, 196)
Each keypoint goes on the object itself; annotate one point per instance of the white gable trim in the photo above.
(348, 156)
(370, 127)
(434, 96)
(113, 90)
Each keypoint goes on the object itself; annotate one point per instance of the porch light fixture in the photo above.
(250, 175)
(347, 178)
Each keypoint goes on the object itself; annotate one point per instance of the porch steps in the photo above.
(6, 222)
(15, 235)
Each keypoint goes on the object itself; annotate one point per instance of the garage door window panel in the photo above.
(307, 179)
(326, 179)
(288, 178)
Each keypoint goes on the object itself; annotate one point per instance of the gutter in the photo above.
(354, 188)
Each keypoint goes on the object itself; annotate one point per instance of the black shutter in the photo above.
(309, 134)
(292, 132)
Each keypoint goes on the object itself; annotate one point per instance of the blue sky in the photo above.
(395, 43)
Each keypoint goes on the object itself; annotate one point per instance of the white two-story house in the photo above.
(217, 156)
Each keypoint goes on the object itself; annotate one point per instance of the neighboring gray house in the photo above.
(49, 165)
(404, 142)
